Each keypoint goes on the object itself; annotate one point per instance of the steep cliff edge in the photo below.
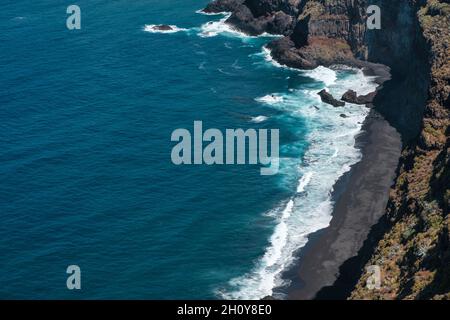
(327, 32)
(414, 252)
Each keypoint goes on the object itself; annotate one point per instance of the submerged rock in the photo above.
(162, 27)
(328, 98)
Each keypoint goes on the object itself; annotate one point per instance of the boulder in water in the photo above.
(162, 27)
(352, 97)
(328, 98)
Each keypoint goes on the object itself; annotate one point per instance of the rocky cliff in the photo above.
(414, 250)
(411, 243)
(255, 17)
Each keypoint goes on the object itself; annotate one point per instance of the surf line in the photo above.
(235, 147)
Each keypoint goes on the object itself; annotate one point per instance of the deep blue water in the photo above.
(85, 170)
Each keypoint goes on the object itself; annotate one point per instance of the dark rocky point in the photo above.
(352, 97)
(255, 17)
(328, 98)
(219, 6)
(162, 27)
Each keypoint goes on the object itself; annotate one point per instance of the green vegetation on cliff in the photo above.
(414, 253)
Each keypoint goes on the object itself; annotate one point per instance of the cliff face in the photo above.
(401, 45)
(327, 32)
(412, 249)
(331, 32)
(414, 252)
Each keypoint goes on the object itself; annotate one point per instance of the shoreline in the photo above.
(360, 198)
(322, 266)
(331, 265)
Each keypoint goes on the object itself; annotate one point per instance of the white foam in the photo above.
(259, 119)
(304, 181)
(211, 13)
(267, 53)
(151, 28)
(214, 28)
(202, 65)
(330, 154)
(270, 99)
(221, 27)
(323, 74)
(364, 86)
(326, 75)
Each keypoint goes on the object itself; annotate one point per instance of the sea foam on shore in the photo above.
(331, 153)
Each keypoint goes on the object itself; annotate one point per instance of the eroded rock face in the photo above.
(243, 19)
(263, 7)
(280, 23)
(319, 51)
(325, 33)
(255, 17)
(414, 252)
(218, 6)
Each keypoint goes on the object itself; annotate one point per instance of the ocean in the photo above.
(86, 176)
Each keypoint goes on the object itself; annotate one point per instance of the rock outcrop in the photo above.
(219, 6)
(326, 33)
(326, 97)
(414, 251)
(352, 97)
(255, 17)
(162, 27)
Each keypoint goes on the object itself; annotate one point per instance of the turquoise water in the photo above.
(86, 176)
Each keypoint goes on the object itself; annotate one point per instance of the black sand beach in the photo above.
(361, 197)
